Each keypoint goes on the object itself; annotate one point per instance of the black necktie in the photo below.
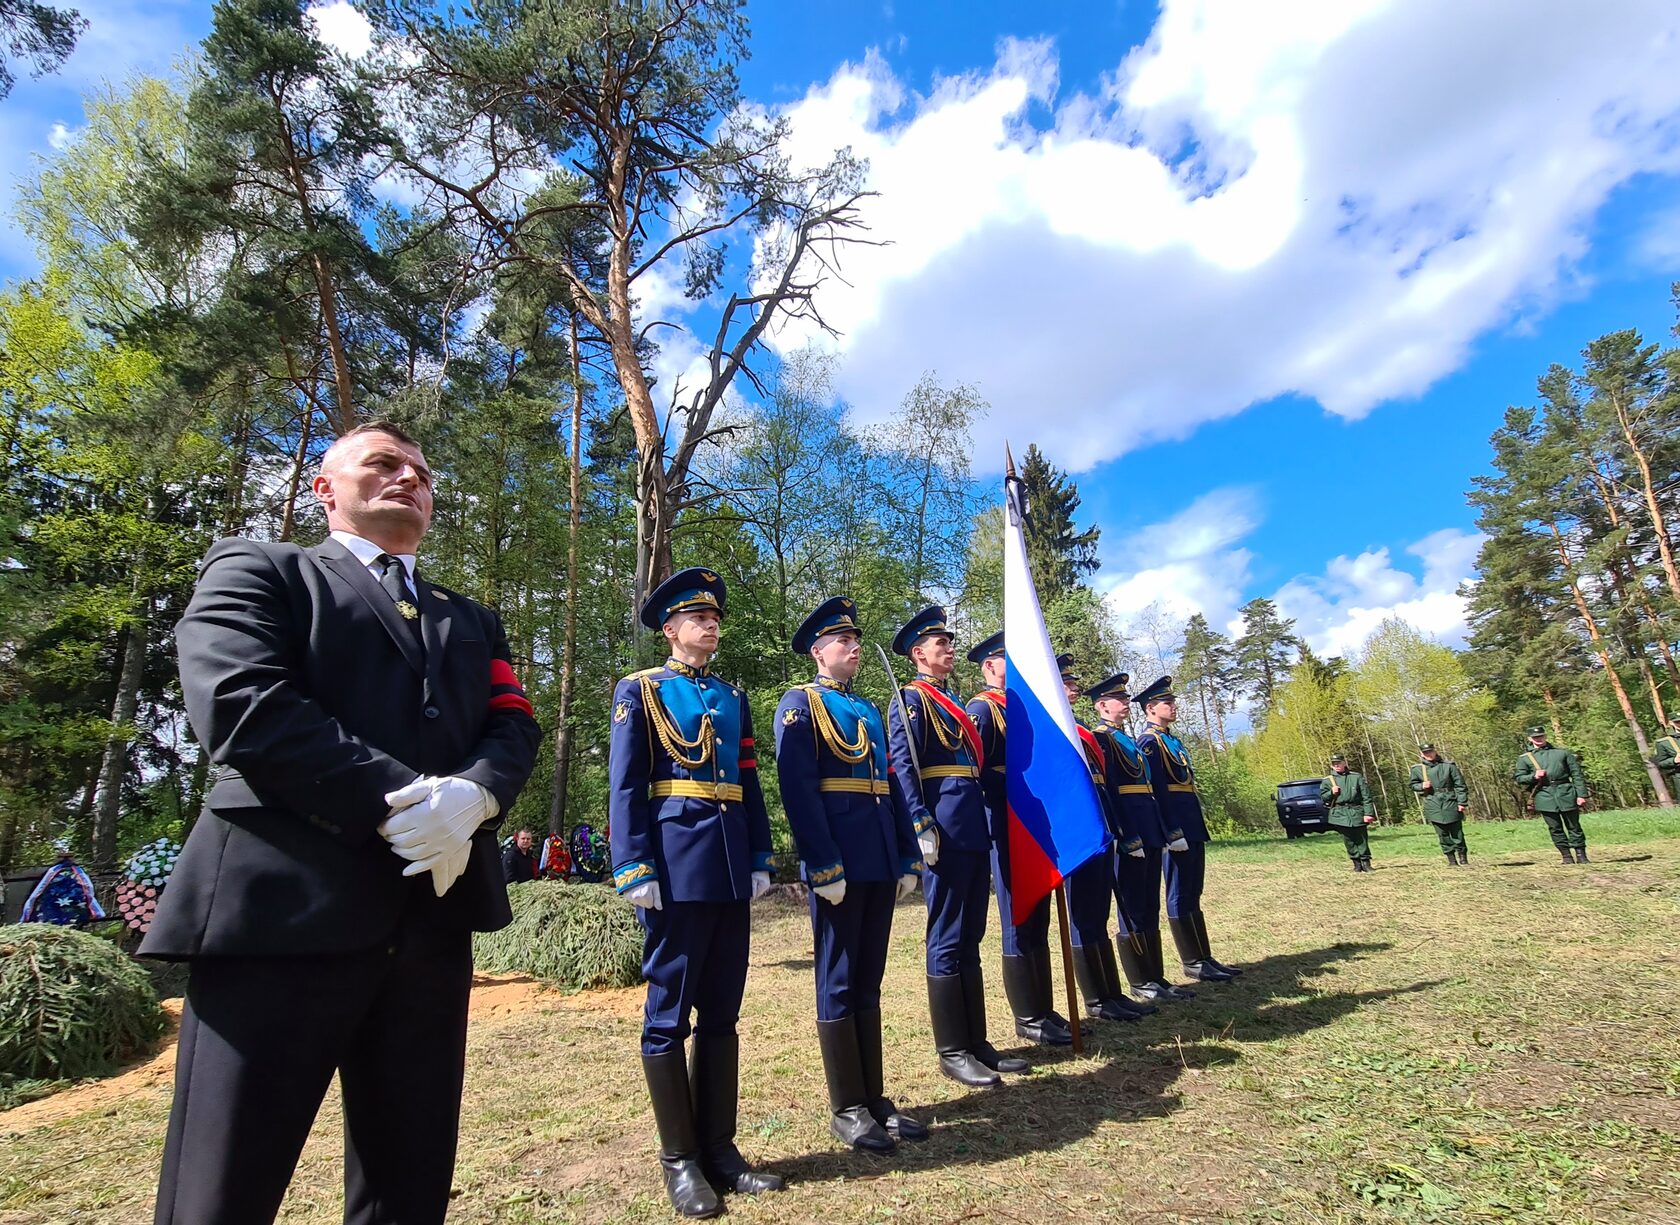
(391, 575)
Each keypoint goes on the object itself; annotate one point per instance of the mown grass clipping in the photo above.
(71, 1005)
(567, 935)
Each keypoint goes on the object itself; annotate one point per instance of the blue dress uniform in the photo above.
(1026, 946)
(936, 766)
(851, 826)
(1174, 783)
(687, 814)
(1137, 881)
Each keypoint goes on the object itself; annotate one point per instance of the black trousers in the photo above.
(260, 1040)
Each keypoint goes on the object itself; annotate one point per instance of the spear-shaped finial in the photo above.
(1008, 461)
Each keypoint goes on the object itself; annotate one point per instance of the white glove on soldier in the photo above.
(929, 843)
(1137, 852)
(432, 822)
(646, 896)
(906, 885)
(1178, 844)
(832, 894)
(760, 884)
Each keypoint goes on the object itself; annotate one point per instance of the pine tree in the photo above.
(1265, 651)
(1060, 554)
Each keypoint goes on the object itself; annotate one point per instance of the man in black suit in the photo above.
(368, 730)
(519, 861)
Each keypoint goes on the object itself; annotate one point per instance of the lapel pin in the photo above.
(442, 595)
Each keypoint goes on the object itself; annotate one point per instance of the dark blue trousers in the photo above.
(1185, 871)
(851, 943)
(694, 957)
(1035, 932)
(956, 889)
(1137, 888)
(1090, 893)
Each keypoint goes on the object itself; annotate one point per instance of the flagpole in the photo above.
(1075, 1019)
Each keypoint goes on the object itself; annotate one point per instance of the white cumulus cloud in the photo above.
(1193, 562)
(1329, 198)
(1338, 611)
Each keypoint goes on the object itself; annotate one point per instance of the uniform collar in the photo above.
(368, 553)
(929, 679)
(681, 669)
(828, 682)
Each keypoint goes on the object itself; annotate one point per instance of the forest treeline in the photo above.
(482, 229)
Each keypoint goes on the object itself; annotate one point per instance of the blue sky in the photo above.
(1265, 277)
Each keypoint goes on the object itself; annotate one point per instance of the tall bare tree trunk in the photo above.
(114, 764)
(294, 483)
(1658, 784)
(1653, 505)
(568, 647)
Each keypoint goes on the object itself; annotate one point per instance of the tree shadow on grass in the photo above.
(792, 963)
(1627, 859)
(1510, 863)
(1128, 1073)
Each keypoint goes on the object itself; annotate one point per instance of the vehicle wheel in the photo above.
(1292, 833)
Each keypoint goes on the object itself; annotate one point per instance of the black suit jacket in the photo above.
(313, 700)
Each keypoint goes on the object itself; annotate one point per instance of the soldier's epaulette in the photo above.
(636, 676)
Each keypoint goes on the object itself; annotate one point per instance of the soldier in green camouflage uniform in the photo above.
(1440, 785)
(1667, 752)
(1348, 798)
(1557, 791)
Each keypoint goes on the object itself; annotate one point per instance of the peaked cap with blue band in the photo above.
(931, 620)
(988, 648)
(685, 591)
(1158, 690)
(1064, 665)
(1113, 687)
(830, 617)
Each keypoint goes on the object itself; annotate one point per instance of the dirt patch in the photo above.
(493, 996)
(94, 1096)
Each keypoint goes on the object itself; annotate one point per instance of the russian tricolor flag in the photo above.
(1055, 821)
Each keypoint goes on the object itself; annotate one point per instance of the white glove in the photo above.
(1178, 844)
(449, 871)
(906, 885)
(645, 895)
(1137, 852)
(760, 884)
(929, 842)
(432, 818)
(832, 894)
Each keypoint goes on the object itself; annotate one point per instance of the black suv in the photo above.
(1299, 809)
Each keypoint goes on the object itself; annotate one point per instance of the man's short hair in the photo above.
(379, 425)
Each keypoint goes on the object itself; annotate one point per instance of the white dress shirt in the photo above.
(368, 553)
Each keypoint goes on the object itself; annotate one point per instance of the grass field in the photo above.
(1497, 1042)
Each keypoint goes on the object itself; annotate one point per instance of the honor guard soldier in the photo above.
(1557, 791)
(1666, 752)
(1348, 797)
(1440, 784)
(1137, 877)
(690, 849)
(1026, 947)
(859, 856)
(1174, 781)
(936, 766)
(1090, 886)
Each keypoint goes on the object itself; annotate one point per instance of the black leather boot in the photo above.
(1463, 856)
(899, 1126)
(1158, 971)
(1581, 854)
(1040, 959)
(850, 1119)
(1093, 986)
(1115, 990)
(1200, 920)
(1031, 1008)
(1134, 961)
(715, 1084)
(1568, 857)
(974, 1005)
(1189, 943)
(679, 1143)
(949, 1017)
(1452, 859)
